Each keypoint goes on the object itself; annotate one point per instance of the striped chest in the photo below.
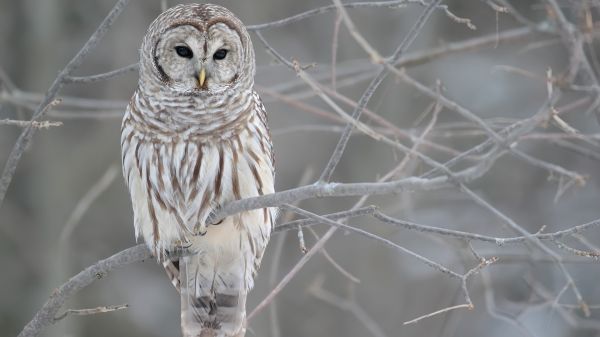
(174, 184)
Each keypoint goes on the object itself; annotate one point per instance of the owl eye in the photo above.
(220, 54)
(184, 51)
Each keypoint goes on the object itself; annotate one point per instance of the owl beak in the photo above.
(201, 77)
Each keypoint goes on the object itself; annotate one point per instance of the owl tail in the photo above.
(211, 303)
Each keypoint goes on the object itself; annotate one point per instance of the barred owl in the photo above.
(195, 137)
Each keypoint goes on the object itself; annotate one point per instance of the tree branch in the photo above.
(27, 134)
(46, 316)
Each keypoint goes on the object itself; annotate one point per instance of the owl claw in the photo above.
(180, 249)
(210, 219)
(200, 230)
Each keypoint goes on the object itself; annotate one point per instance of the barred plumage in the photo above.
(190, 144)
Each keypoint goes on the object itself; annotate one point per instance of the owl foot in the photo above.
(200, 230)
(180, 249)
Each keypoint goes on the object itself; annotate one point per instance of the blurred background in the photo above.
(67, 206)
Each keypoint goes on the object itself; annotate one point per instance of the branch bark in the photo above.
(47, 315)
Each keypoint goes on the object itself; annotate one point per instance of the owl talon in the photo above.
(179, 253)
(179, 250)
(210, 219)
(200, 231)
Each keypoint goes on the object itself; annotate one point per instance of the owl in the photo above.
(194, 137)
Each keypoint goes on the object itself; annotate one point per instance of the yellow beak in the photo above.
(202, 77)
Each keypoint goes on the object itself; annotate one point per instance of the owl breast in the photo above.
(176, 183)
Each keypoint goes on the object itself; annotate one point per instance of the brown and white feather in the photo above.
(184, 153)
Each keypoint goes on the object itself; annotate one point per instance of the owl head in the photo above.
(197, 49)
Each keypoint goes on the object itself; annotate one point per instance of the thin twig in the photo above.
(325, 9)
(316, 289)
(332, 261)
(27, 134)
(290, 275)
(34, 124)
(102, 77)
(46, 315)
(85, 203)
(368, 93)
(437, 312)
(92, 311)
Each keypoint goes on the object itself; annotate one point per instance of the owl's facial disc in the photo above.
(189, 59)
(223, 60)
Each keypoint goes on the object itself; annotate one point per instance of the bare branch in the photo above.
(290, 275)
(102, 77)
(316, 289)
(92, 311)
(362, 103)
(325, 9)
(86, 202)
(328, 190)
(27, 134)
(47, 314)
(441, 311)
(484, 238)
(34, 124)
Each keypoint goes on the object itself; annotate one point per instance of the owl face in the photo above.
(197, 50)
(192, 59)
